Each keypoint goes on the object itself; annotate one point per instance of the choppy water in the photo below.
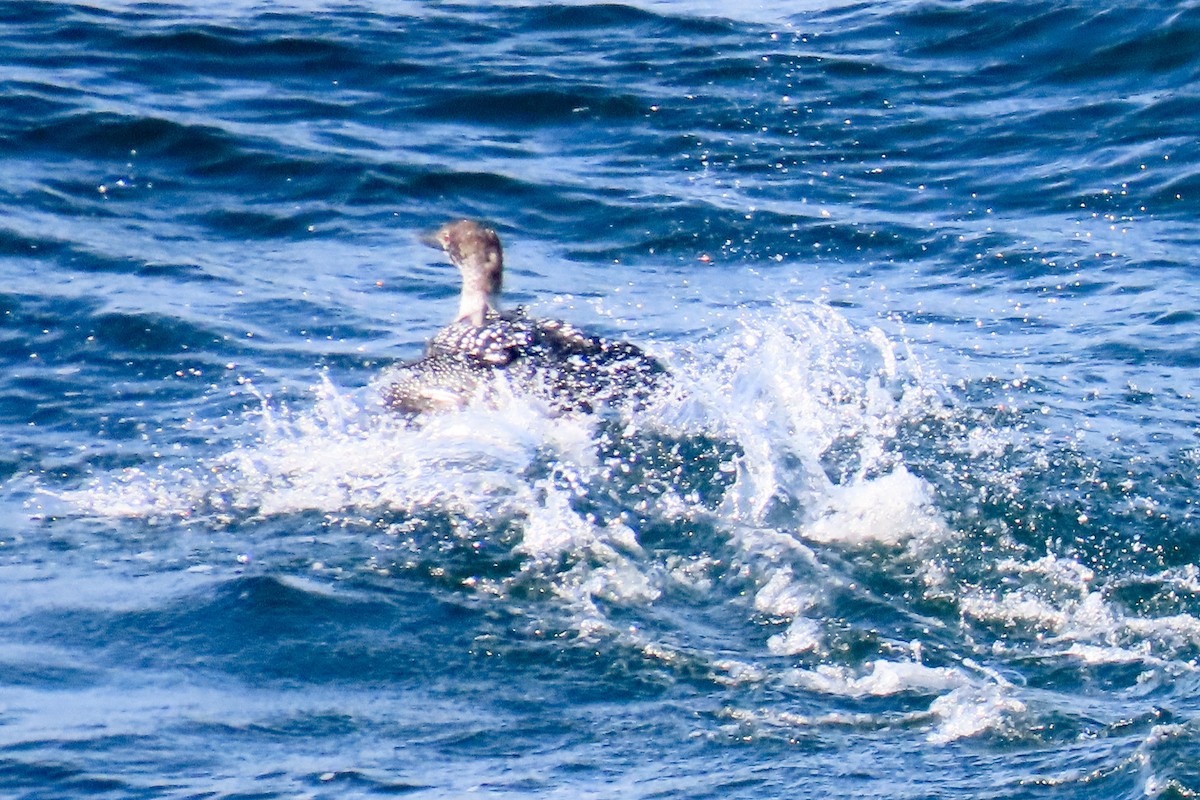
(919, 521)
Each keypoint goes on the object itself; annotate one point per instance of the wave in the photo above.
(811, 514)
(951, 503)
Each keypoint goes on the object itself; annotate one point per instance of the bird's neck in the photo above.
(481, 288)
(475, 303)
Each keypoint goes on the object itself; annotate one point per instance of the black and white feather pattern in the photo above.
(549, 359)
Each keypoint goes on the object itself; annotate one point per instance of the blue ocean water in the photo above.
(916, 521)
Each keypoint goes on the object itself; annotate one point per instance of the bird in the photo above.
(485, 347)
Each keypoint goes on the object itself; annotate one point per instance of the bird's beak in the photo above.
(431, 239)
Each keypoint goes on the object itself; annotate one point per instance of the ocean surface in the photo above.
(917, 517)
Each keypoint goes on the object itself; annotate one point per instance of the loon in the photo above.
(570, 369)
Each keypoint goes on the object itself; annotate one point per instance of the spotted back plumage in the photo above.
(550, 359)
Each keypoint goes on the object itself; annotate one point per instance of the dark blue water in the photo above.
(917, 521)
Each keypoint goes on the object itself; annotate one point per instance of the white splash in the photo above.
(891, 509)
(810, 405)
(971, 710)
(885, 678)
